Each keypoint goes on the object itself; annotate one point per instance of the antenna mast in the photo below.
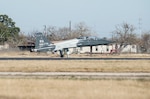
(140, 26)
(70, 26)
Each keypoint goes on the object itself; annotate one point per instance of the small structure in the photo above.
(106, 49)
(5, 46)
(27, 46)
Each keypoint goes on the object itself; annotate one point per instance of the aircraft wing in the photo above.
(93, 42)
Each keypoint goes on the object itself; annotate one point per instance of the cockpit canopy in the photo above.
(88, 38)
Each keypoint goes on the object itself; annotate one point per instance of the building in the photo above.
(5, 46)
(106, 49)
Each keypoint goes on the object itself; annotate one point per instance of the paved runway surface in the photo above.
(94, 75)
(46, 58)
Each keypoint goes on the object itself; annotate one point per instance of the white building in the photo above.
(105, 49)
(5, 46)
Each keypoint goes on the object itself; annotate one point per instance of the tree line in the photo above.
(65, 33)
(124, 33)
(8, 31)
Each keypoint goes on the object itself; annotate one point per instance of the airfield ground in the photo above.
(75, 66)
(36, 88)
(34, 54)
(73, 89)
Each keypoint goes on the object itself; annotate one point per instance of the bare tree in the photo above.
(124, 33)
(65, 33)
(82, 29)
(145, 42)
(52, 32)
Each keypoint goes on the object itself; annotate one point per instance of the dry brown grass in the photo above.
(75, 65)
(73, 89)
(33, 54)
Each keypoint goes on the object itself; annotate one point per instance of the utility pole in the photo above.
(70, 26)
(140, 26)
(45, 31)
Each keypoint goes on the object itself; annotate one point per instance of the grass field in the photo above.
(73, 89)
(75, 66)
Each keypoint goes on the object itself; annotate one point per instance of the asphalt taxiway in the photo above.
(88, 75)
(47, 58)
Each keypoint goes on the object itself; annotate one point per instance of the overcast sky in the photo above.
(100, 15)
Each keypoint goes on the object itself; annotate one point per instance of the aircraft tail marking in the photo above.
(41, 41)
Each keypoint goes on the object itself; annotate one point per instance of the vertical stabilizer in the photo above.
(41, 41)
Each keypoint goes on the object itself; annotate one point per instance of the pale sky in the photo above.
(100, 15)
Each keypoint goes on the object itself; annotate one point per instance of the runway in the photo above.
(78, 75)
(48, 58)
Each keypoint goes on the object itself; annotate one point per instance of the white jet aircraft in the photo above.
(43, 44)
